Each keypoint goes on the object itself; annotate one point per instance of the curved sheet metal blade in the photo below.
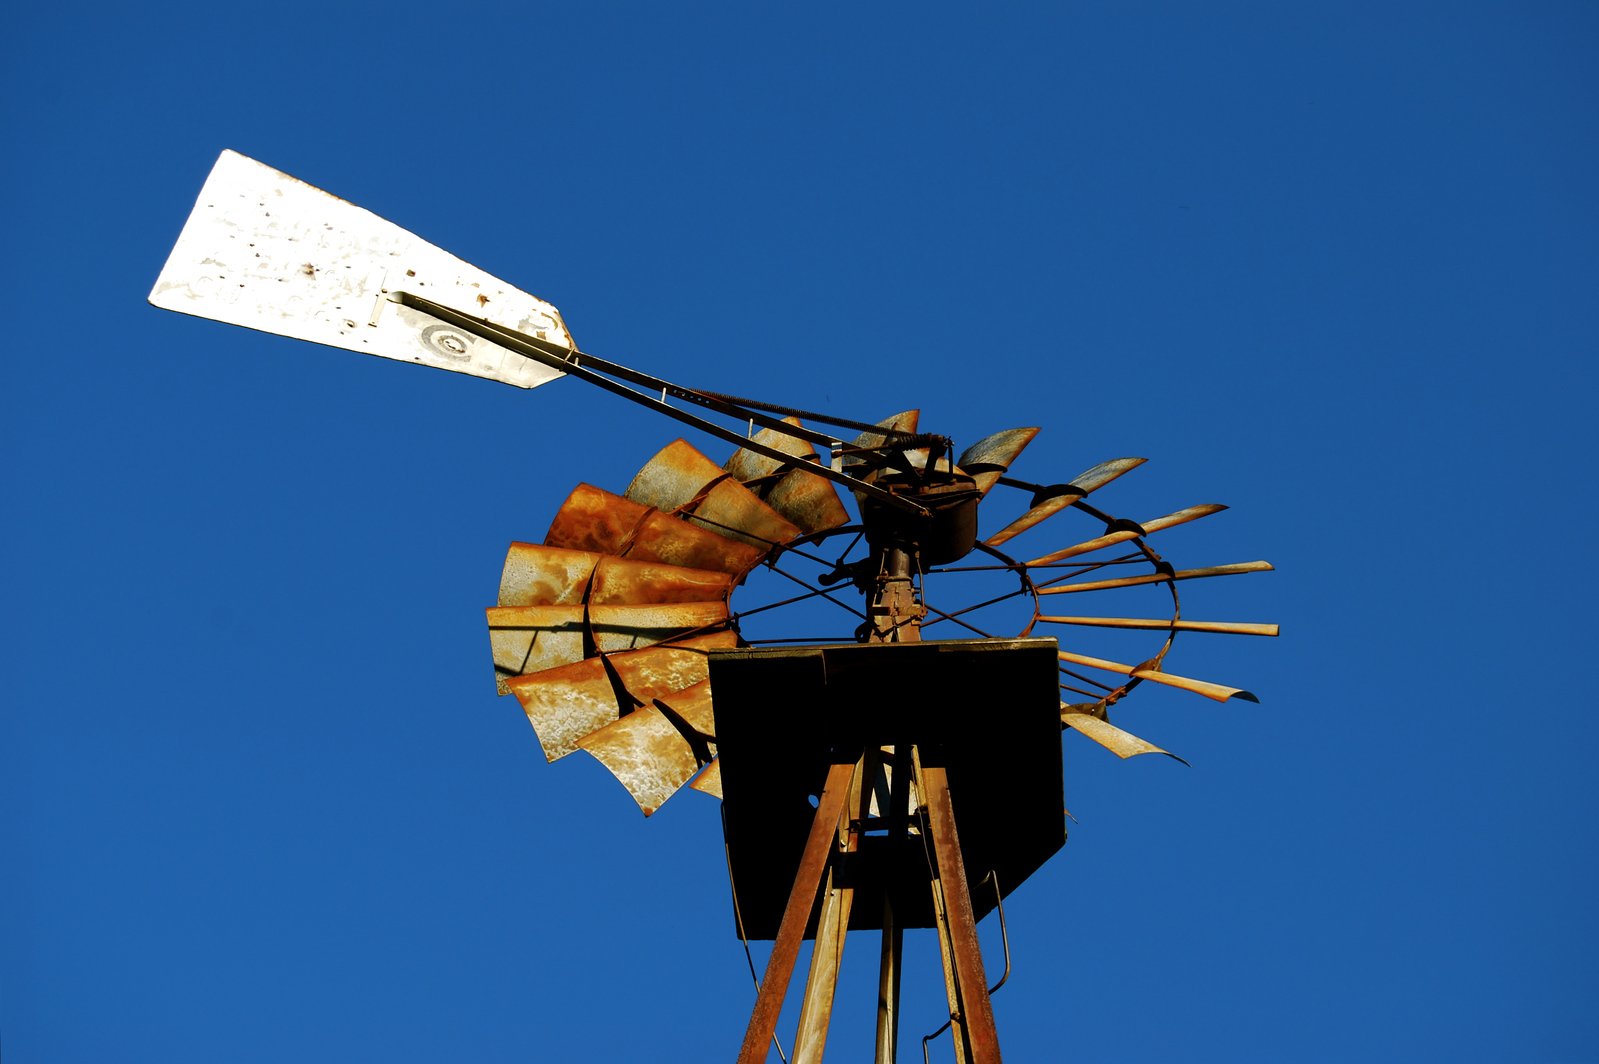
(748, 465)
(536, 575)
(710, 781)
(528, 639)
(570, 701)
(652, 749)
(647, 755)
(988, 459)
(1157, 624)
(692, 706)
(619, 628)
(1121, 743)
(626, 581)
(267, 251)
(1216, 691)
(809, 501)
(1237, 569)
(1085, 483)
(681, 480)
(595, 520)
(541, 575)
(1148, 528)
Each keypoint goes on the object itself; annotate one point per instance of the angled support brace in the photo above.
(814, 860)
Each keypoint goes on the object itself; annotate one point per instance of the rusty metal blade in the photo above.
(806, 499)
(541, 575)
(1085, 483)
(618, 628)
(1219, 692)
(1121, 743)
(537, 575)
(596, 520)
(1148, 528)
(1159, 625)
(710, 781)
(692, 706)
(568, 702)
(1159, 578)
(620, 581)
(645, 752)
(650, 752)
(527, 639)
(988, 459)
(748, 465)
(660, 671)
(681, 480)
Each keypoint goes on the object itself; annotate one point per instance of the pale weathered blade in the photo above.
(692, 706)
(596, 520)
(681, 480)
(618, 628)
(269, 252)
(710, 781)
(536, 575)
(1084, 484)
(651, 750)
(1219, 692)
(661, 671)
(809, 501)
(528, 639)
(541, 575)
(988, 459)
(1159, 578)
(1148, 528)
(568, 702)
(647, 755)
(1121, 743)
(1159, 625)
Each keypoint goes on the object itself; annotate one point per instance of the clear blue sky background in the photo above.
(1335, 267)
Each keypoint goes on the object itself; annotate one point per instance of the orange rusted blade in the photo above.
(692, 706)
(646, 753)
(625, 581)
(989, 458)
(1148, 528)
(596, 520)
(1159, 578)
(541, 575)
(545, 576)
(568, 702)
(710, 781)
(681, 480)
(806, 499)
(1121, 743)
(1085, 483)
(530, 639)
(1159, 625)
(618, 628)
(651, 750)
(1219, 692)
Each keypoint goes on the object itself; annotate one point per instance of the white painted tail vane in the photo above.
(266, 251)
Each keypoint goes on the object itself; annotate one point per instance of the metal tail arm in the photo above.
(599, 372)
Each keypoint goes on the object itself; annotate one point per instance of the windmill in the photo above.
(871, 779)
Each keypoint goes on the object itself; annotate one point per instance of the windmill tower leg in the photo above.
(820, 846)
(832, 925)
(971, 1011)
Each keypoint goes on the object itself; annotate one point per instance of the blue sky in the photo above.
(1335, 268)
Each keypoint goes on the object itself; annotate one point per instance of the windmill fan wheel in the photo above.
(603, 631)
